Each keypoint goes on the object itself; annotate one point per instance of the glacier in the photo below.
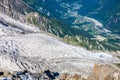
(25, 47)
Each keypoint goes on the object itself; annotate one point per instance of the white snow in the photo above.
(18, 24)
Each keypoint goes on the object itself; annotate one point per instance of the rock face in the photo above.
(104, 72)
(10, 7)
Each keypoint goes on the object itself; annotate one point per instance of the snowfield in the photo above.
(23, 47)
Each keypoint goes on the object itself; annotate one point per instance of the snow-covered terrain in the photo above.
(23, 47)
(11, 26)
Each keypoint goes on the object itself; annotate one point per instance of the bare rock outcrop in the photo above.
(104, 72)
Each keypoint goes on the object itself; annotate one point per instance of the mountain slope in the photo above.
(87, 21)
(102, 11)
(35, 51)
(26, 52)
(26, 14)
